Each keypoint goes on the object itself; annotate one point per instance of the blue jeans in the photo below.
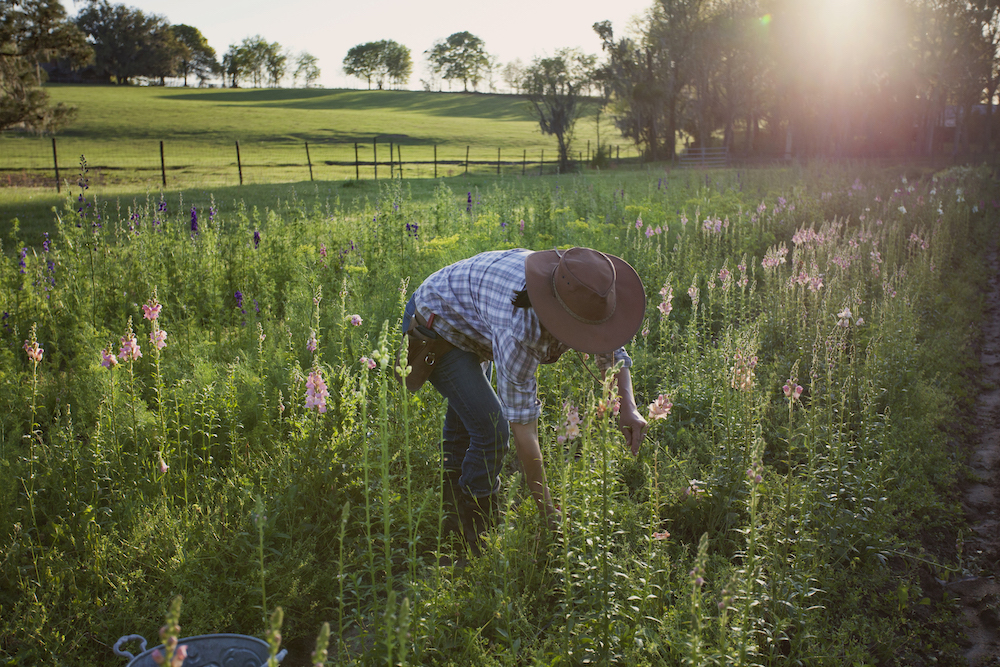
(475, 436)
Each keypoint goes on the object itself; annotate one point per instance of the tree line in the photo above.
(769, 77)
(119, 44)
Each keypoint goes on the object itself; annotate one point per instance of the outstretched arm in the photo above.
(631, 423)
(530, 454)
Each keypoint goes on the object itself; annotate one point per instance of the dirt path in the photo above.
(980, 593)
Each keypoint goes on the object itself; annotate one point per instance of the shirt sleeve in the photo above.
(606, 361)
(517, 386)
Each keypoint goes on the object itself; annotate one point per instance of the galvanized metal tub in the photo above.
(221, 650)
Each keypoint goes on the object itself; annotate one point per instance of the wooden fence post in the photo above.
(392, 166)
(375, 157)
(524, 161)
(498, 161)
(239, 162)
(309, 160)
(541, 164)
(55, 163)
(163, 166)
(357, 165)
(466, 160)
(435, 161)
(399, 155)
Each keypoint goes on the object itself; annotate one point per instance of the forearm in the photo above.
(529, 453)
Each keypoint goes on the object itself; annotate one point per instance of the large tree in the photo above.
(306, 69)
(33, 32)
(128, 43)
(197, 57)
(255, 59)
(554, 88)
(382, 61)
(460, 57)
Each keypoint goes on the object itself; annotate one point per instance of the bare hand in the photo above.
(634, 428)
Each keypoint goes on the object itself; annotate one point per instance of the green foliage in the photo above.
(750, 515)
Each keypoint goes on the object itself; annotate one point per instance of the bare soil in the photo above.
(979, 590)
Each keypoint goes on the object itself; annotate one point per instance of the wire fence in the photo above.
(58, 163)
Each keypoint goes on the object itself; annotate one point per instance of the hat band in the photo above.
(570, 310)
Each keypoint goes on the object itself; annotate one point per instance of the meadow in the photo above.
(813, 330)
(286, 135)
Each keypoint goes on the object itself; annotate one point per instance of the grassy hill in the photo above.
(119, 129)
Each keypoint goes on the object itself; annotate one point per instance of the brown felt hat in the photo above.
(588, 300)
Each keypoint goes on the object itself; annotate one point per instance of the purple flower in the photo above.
(256, 239)
(162, 208)
(468, 206)
(23, 264)
(238, 295)
(194, 220)
(45, 243)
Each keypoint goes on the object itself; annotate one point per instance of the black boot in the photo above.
(477, 516)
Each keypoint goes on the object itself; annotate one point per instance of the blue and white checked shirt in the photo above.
(471, 301)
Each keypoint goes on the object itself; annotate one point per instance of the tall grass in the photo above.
(757, 526)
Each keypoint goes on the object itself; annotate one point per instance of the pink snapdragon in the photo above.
(356, 320)
(666, 305)
(316, 393)
(108, 359)
(151, 310)
(33, 350)
(312, 344)
(130, 348)
(660, 408)
(791, 390)
(158, 337)
(571, 428)
(369, 363)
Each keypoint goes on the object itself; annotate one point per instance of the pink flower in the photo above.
(158, 338)
(661, 536)
(316, 393)
(108, 360)
(151, 310)
(312, 344)
(638, 222)
(649, 232)
(163, 465)
(34, 351)
(356, 320)
(660, 408)
(370, 363)
(130, 349)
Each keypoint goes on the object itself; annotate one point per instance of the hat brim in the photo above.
(608, 336)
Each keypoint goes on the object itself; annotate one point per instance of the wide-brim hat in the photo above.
(591, 301)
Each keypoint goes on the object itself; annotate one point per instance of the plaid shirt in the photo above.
(471, 301)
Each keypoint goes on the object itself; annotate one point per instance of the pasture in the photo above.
(760, 524)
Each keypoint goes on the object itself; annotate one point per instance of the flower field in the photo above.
(199, 401)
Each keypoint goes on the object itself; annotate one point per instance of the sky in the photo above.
(511, 29)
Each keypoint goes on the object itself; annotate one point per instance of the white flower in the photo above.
(902, 209)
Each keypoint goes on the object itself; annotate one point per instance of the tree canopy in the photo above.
(33, 32)
(460, 57)
(197, 57)
(255, 60)
(554, 88)
(128, 43)
(306, 69)
(381, 62)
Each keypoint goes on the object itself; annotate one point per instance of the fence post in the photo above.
(55, 163)
(239, 162)
(498, 161)
(588, 150)
(524, 161)
(309, 160)
(163, 165)
(392, 165)
(435, 161)
(375, 157)
(541, 164)
(357, 165)
(399, 154)
(466, 160)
